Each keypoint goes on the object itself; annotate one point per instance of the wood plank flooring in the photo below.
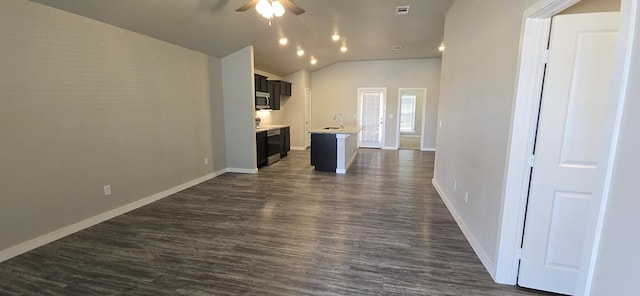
(381, 229)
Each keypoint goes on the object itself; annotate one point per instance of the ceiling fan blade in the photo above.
(247, 6)
(295, 9)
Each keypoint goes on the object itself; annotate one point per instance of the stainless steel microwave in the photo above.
(263, 100)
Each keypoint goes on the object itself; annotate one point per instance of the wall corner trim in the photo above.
(84, 224)
(475, 245)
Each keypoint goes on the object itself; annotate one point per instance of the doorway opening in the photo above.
(535, 34)
(371, 110)
(412, 110)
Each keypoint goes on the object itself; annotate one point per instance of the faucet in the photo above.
(341, 119)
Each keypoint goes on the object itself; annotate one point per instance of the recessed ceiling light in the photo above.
(313, 61)
(300, 52)
(335, 37)
(396, 47)
(283, 41)
(343, 48)
(441, 47)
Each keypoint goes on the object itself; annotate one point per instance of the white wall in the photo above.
(239, 105)
(335, 91)
(618, 259)
(476, 97)
(293, 107)
(84, 104)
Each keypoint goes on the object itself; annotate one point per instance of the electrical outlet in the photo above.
(107, 190)
(466, 197)
(455, 185)
(206, 160)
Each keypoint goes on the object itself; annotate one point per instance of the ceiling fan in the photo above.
(270, 8)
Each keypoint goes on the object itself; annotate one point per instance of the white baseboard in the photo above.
(220, 172)
(73, 228)
(242, 171)
(298, 148)
(428, 149)
(390, 148)
(489, 265)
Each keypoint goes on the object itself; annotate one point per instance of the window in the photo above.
(407, 113)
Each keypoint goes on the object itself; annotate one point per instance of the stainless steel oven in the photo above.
(263, 100)
(273, 146)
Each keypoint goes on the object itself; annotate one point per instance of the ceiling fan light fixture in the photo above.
(278, 9)
(265, 8)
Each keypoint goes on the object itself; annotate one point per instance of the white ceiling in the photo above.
(369, 27)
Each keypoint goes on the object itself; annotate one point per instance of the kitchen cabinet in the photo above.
(274, 93)
(261, 148)
(278, 88)
(324, 152)
(285, 142)
(285, 88)
(260, 83)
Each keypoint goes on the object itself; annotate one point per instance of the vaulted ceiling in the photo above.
(368, 28)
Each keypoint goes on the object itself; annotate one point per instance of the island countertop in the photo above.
(265, 128)
(345, 130)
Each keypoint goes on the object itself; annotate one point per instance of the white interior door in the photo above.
(307, 118)
(371, 103)
(571, 128)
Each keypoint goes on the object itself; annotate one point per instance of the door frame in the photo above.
(534, 35)
(383, 111)
(307, 117)
(422, 122)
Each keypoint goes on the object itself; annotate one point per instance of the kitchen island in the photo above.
(333, 149)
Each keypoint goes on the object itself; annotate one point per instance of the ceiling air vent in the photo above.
(402, 10)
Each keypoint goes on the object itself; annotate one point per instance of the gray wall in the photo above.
(476, 96)
(238, 92)
(84, 104)
(217, 114)
(335, 91)
(587, 6)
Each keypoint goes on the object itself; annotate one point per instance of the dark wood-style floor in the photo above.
(379, 230)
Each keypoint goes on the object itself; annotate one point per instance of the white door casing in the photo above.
(571, 128)
(371, 116)
(307, 117)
